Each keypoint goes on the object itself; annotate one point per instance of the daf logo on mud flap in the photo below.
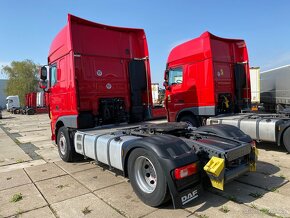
(189, 197)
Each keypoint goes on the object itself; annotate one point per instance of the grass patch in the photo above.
(19, 161)
(16, 197)
(62, 186)
(253, 206)
(274, 190)
(202, 216)
(256, 195)
(282, 176)
(224, 209)
(86, 210)
(267, 211)
(19, 212)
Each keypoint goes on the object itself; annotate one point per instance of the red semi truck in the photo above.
(98, 80)
(207, 81)
(35, 102)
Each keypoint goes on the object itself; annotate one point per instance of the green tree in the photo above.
(22, 78)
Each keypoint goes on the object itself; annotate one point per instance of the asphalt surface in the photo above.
(35, 182)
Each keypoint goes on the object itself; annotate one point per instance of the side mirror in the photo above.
(42, 84)
(43, 73)
(166, 86)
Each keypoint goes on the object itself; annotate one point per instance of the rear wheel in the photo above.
(65, 145)
(147, 177)
(286, 139)
(190, 120)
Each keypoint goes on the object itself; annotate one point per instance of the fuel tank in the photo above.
(103, 147)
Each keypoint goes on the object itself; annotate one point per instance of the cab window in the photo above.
(175, 76)
(53, 75)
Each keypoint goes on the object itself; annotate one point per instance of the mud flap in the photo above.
(215, 169)
(180, 199)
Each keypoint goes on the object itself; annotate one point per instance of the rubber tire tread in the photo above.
(189, 119)
(68, 156)
(160, 195)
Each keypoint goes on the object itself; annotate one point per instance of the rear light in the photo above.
(188, 170)
(253, 144)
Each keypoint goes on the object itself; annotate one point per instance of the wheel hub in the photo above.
(145, 174)
(62, 144)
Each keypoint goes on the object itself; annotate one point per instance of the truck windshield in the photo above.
(175, 76)
(9, 101)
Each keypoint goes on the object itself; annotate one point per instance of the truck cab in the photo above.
(98, 74)
(12, 101)
(206, 76)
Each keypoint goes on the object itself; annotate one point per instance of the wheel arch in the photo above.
(186, 112)
(282, 132)
(58, 125)
(171, 152)
(167, 149)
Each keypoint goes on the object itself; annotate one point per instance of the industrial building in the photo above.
(3, 84)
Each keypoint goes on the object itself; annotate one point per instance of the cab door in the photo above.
(174, 92)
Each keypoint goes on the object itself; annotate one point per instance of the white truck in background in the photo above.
(12, 101)
(255, 87)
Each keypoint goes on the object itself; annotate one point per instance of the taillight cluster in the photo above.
(185, 171)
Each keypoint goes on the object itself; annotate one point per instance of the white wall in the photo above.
(3, 95)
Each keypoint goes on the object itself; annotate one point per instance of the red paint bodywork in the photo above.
(92, 63)
(30, 100)
(201, 59)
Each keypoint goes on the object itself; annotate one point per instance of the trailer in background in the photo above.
(155, 91)
(255, 87)
(275, 89)
(35, 103)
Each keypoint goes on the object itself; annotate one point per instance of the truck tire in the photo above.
(286, 139)
(191, 120)
(65, 145)
(147, 177)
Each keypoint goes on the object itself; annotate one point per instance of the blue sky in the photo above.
(28, 27)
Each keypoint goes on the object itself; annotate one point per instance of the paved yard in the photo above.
(34, 182)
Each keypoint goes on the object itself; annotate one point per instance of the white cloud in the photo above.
(2, 75)
(4, 63)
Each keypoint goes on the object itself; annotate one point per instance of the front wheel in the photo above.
(190, 120)
(286, 139)
(65, 145)
(147, 177)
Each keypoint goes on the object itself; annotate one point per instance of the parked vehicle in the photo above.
(275, 91)
(207, 81)
(12, 102)
(255, 87)
(99, 88)
(35, 103)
